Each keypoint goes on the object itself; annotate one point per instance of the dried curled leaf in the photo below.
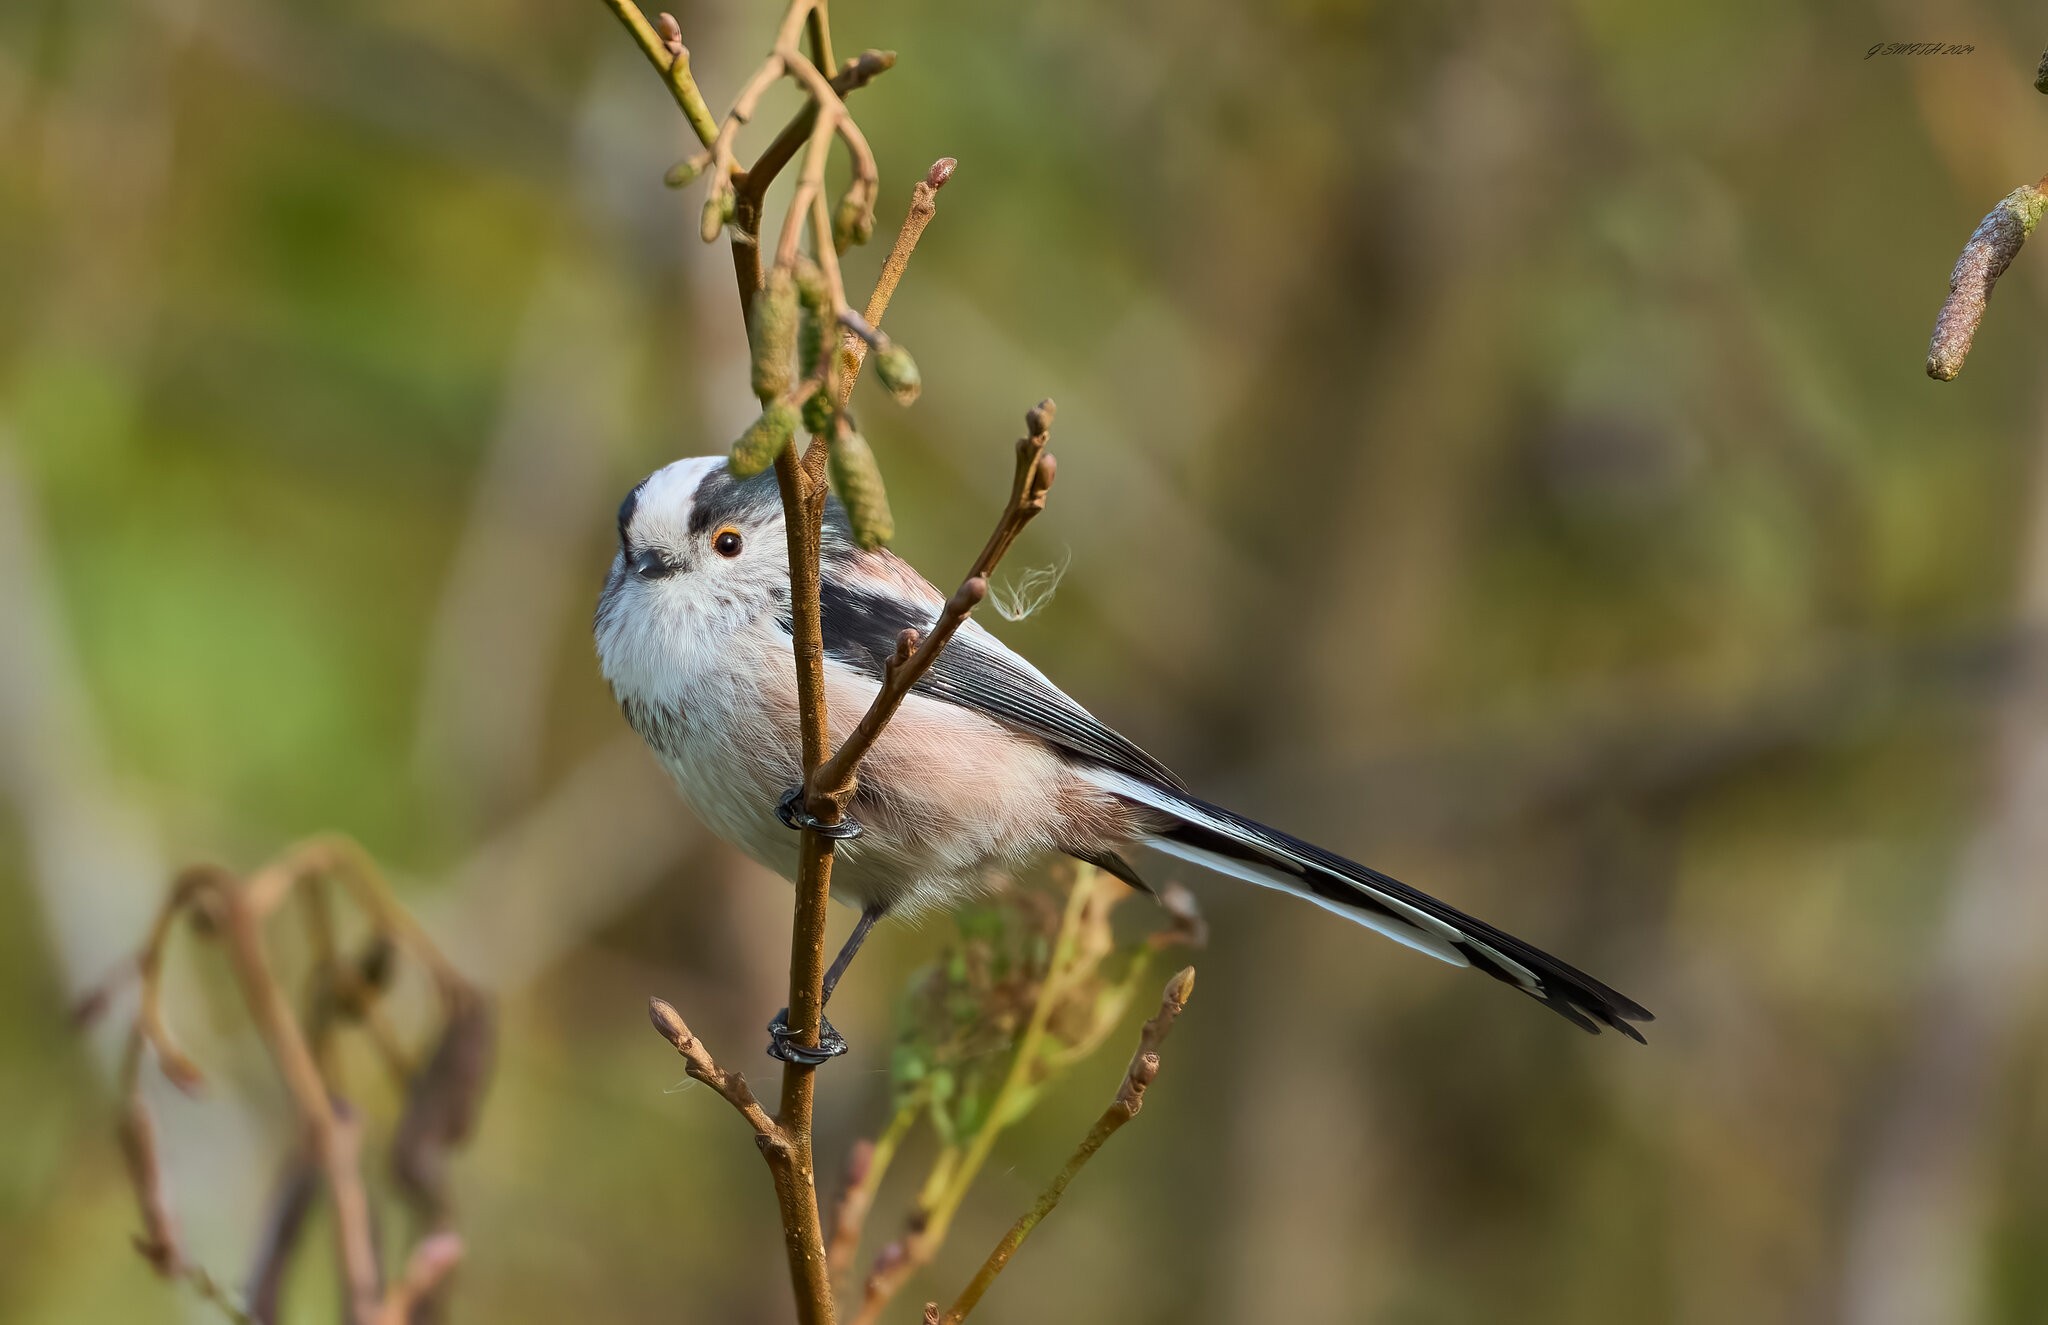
(771, 334)
(1992, 247)
(764, 439)
(858, 480)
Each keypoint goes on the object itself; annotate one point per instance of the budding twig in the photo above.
(924, 204)
(752, 188)
(1031, 481)
(665, 51)
(1130, 1098)
(697, 1061)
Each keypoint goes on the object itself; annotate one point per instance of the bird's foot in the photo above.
(790, 809)
(781, 1044)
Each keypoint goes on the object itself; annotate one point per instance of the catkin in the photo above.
(859, 481)
(764, 439)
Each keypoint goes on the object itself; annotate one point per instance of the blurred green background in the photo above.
(1493, 443)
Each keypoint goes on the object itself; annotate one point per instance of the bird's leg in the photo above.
(831, 1043)
(790, 809)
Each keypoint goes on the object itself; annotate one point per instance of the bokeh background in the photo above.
(1493, 442)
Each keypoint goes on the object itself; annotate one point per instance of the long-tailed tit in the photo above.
(986, 765)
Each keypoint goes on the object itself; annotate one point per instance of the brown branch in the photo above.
(750, 189)
(854, 75)
(803, 503)
(832, 785)
(1130, 1098)
(924, 204)
(158, 1242)
(235, 910)
(298, 1183)
(809, 185)
(697, 1061)
(334, 1136)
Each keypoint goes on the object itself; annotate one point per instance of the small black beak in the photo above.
(650, 565)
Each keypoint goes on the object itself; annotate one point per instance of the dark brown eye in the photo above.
(726, 543)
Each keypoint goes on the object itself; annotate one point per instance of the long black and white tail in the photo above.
(1229, 843)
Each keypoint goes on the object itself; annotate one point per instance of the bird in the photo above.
(986, 767)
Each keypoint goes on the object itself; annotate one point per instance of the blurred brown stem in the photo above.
(866, 1166)
(235, 909)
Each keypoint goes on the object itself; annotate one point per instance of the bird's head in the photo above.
(698, 549)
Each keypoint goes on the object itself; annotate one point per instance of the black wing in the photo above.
(977, 672)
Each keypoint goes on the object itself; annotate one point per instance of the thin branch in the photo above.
(865, 174)
(924, 204)
(809, 185)
(158, 1242)
(834, 781)
(777, 63)
(335, 1136)
(235, 910)
(818, 29)
(751, 188)
(671, 59)
(697, 1061)
(1130, 1098)
(853, 75)
(298, 1183)
(430, 1264)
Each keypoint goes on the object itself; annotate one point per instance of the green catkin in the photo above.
(859, 482)
(819, 413)
(771, 330)
(764, 439)
(814, 304)
(898, 372)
